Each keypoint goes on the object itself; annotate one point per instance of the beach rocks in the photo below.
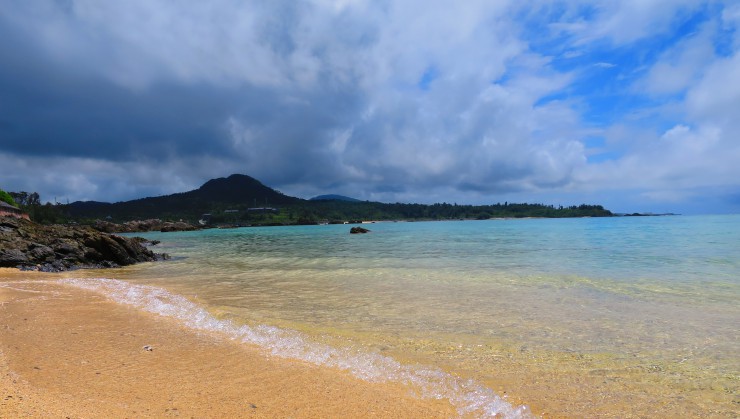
(140, 226)
(41, 252)
(12, 257)
(358, 230)
(27, 245)
(177, 226)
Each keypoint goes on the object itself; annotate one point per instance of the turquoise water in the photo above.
(579, 317)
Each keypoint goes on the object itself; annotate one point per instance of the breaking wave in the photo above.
(468, 397)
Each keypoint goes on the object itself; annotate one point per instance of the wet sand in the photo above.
(66, 352)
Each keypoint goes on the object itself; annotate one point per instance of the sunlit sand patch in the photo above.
(467, 396)
(75, 353)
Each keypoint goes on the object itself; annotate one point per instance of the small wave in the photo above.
(469, 397)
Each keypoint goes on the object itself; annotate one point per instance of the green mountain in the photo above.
(236, 192)
(333, 197)
(242, 200)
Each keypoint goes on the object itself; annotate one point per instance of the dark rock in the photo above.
(358, 230)
(66, 247)
(41, 252)
(114, 249)
(12, 258)
(140, 226)
(177, 226)
(30, 246)
(145, 242)
(107, 227)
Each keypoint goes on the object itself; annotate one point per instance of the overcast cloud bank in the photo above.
(630, 104)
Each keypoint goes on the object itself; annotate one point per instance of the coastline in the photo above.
(65, 351)
(693, 378)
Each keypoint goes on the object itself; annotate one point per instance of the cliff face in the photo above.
(27, 245)
(7, 210)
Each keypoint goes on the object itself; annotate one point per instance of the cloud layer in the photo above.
(632, 104)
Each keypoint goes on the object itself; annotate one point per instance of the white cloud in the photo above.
(716, 97)
(621, 22)
(677, 163)
(74, 179)
(329, 93)
(680, 66)
(604, 65)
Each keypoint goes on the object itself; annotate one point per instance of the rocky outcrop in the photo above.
(177, 226)
(141, 226)
(27, 245)
(358, 230)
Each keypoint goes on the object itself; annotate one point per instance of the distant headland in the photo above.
(240, 200)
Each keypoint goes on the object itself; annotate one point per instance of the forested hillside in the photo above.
(243, 200)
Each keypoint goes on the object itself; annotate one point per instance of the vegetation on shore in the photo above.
(5, 197)
(242, 200)
(48, 213)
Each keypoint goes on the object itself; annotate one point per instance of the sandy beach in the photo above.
(65, 352)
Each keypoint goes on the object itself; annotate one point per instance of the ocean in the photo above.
(588, 317)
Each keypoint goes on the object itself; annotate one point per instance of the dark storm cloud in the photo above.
(303, 95)
(403, 100)
(57, 110)
(50, 111)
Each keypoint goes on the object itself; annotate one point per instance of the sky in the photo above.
(632, 104)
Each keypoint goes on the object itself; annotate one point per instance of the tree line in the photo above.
(298, 212)
(30, 203)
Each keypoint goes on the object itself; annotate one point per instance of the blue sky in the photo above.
(631, 104)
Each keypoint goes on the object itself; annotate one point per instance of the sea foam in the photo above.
(469, 397)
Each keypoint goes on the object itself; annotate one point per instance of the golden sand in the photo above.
(66, 352)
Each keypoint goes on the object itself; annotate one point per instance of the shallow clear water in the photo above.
(577, 317)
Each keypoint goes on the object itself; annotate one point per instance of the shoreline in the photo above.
(70, 352)
(551, 384)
